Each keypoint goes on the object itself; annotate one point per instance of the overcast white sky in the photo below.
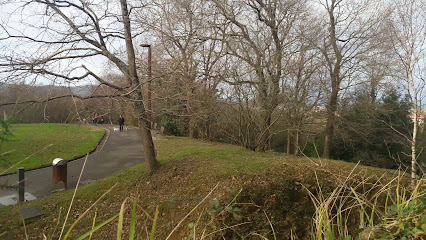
(32, 21)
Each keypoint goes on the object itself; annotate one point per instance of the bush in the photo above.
(315, 147)
(4, 131)
(171, 125)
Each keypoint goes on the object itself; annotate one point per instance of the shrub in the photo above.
(171, 125)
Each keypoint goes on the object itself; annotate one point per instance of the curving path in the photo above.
(120, 151)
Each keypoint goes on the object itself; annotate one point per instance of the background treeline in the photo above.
(329, 78)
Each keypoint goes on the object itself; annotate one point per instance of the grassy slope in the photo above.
(269, 182)
(69, 141)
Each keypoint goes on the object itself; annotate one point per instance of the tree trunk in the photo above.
(144, 126)
(335, 81)
(413, 149)
(147, 143)
(262, 144)
(373, 93)
(296, 143)
(288, 141)
(192, 125)
(148, 147)
(329, 129)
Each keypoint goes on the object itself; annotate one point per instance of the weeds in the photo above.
(399, 216)
(356, 209)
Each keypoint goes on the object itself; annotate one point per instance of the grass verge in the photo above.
(68, 141)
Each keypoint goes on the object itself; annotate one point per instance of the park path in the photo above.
(120, 151)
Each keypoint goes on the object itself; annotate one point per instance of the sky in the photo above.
(27, 21)
(35, 21)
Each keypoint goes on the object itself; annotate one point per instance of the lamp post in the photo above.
(149, 105)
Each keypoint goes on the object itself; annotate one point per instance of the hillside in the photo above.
(254, 192)
(83, 91)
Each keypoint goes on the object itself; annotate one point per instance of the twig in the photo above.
(171, 233)
(26, 158)
(25, 229)
(73, 196)
(222, 229)
(59, 219)
(270, 224)
(234, 198)
(87, 210)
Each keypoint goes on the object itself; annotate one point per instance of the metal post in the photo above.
(149, 116)
(21, 188)
(148, 87)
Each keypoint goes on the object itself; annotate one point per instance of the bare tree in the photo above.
(258, 36)
(343, 39)
(409, 41)
(57, 36)
(302, 89)
(193, 50)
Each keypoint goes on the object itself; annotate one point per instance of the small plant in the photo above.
(5, 132)
(406, 218)
(234, 211)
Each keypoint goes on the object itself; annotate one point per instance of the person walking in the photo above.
(121, 123)
(95, 120)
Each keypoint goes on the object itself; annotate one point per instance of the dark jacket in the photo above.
(121, 121)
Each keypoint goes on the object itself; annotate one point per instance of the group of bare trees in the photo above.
(51, 40)
(254, 72)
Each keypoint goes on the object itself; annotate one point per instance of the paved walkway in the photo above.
(120, 151)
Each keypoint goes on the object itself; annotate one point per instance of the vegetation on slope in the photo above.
(36, 145)
(255, 191)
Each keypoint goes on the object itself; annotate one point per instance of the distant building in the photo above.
(420, 117)
(319, 109)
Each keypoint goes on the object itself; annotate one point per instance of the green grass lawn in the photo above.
(32, 140)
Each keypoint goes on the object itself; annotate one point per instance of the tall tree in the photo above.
(258, 36)
(343, 39)
(302, 91)
(192, 50)
(409, 41)
(59, 39)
